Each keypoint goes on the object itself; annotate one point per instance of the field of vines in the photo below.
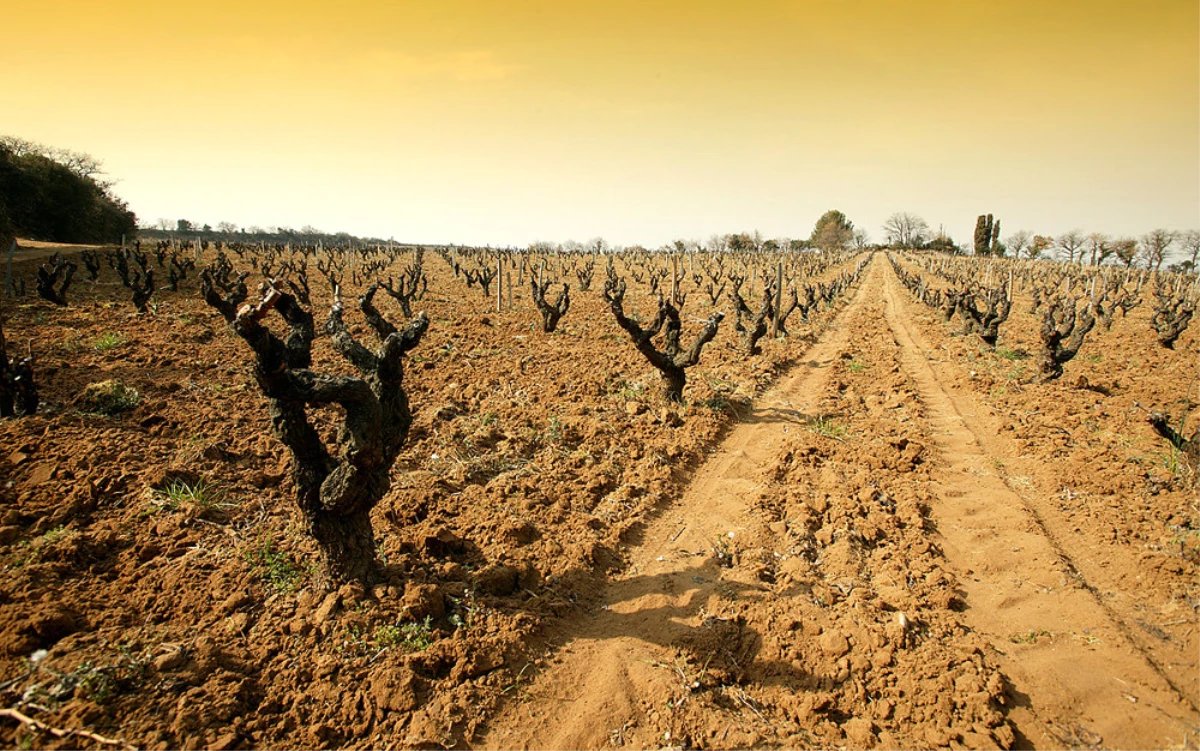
(442, 497)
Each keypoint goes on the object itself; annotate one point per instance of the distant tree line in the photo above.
(1151, 250)
(57, 195)
(186, 229)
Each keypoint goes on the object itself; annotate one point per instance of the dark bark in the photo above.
(1190, 447)
(91, 261)
(142, 287)
(54, 280)
(986, 321)
(671, 362)
(786, 310)
(412, 286)
(335, 493)
(551, 314)
(1063, 330)
(585, 275)
(18, 392)
(1171, 318)
(752, 326)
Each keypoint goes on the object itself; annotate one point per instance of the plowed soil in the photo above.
(877, 533)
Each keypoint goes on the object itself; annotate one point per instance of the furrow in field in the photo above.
(609, 662)
(1077, 677)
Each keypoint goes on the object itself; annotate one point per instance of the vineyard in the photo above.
(260, 496)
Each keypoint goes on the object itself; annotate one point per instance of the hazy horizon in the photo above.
(508, 123)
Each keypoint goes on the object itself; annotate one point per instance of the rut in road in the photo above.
(847, 570)
(592, 694)
(1095, 686)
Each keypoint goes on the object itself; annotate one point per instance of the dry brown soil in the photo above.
(876, 534)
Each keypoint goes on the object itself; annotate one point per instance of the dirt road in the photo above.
(850, 567)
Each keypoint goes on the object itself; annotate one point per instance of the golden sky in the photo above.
(642, 122)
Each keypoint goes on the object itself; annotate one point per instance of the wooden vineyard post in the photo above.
(674, 280)
(779, 298)
(508, 274)
(499, 281)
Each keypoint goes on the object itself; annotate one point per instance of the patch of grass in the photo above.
(53, 535)
(108, 398)
(554, 430)
(854, 366)
(627, 390)
(109, 341)
(1030, 637)
(515, 686)
(717, 403)
(98, 683)
(198, 493)
(1011, 354)
(274, 567)
(828, 427)
(724, 395)
(724, 550)
(413, 637)
(464, 612)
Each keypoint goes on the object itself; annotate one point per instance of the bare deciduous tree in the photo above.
(1099, 248)
(905, 230)
(1157, 243)
(1017, 242)
(1190, 241)
(1070, 245)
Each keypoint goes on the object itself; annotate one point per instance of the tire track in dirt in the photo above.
(1077, 677)
(593, 693)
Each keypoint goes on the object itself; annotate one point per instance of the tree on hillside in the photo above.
(79, 163)
(47, 200)
(833, 231)
(1157, 243)
(861, 239)
(905, 230)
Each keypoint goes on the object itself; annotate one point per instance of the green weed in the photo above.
(828, 427)
(413, 637)
(1030, 637)
(199, 493)
(274, 567)
(108, 398)
(109, 341)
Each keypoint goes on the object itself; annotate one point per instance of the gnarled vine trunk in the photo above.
(336, 494)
